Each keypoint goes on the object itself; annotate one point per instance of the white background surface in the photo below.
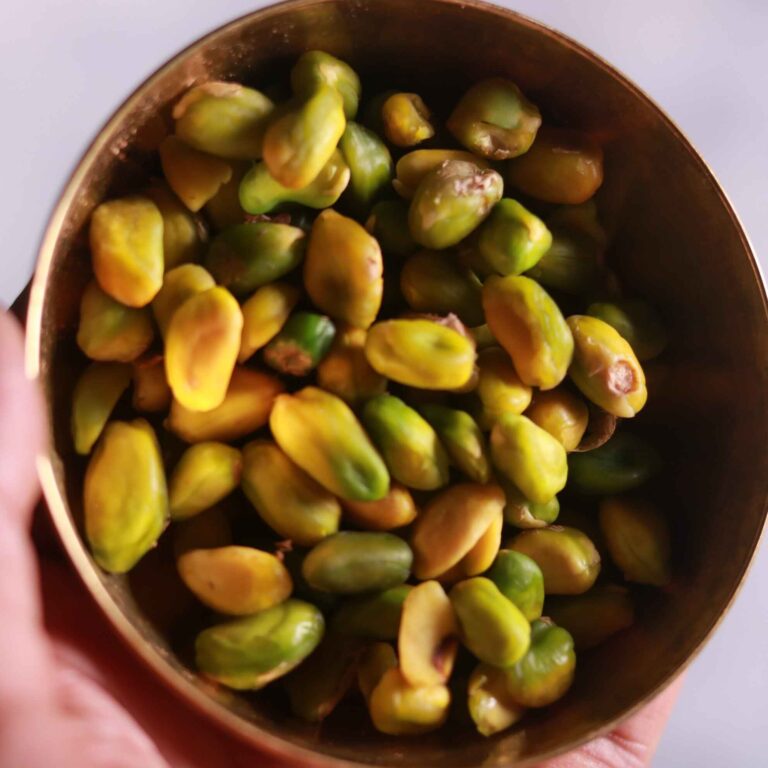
(65, 65)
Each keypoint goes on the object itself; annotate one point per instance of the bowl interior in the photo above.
(675, 240)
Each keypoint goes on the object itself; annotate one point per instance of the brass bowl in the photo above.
(676, 240)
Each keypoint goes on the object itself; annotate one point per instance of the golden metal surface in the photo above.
(676, 240)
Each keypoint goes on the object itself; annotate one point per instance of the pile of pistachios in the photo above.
(396, 360)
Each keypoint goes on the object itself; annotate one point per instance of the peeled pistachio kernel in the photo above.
(637, 537)
(201, 348)
(499, 388)
(451, 201)
(512, 240)
(492, 627)
(125, 500)
(461, 438)
(562, 166)
(530, 457)
(405, 119)
(264, 314)
(411, 448)
(605, 368)
(96, 393)
(395, 510)
(260, 193)
(520, 580)
(351, 562)
(194, 176)
(109, 331)
(246, 407)
(530, 326)
(343, 270)
(375, 616)
(490, 706)
(323, 436)
(235, 580)
(495, 120)
(451, 525)
(545, 673)
(249, 653)
(316, 68)
(374, 662)
(126, 238)
(432, 282)
(623, 463)
(301, 344)
(388, 223)
(524, 513)
(179, 284)
(223, 119)
(420, 353)
(567, 558)
(288, 500)
(205, 474)
(322, 681)
(346, 372)
(400, 709)
(370, 165)
(247, 256)
(480, 558)
(637, 322)
(183, 232)
(593, 617)
(414, 166)
(303, 135)
(426, 642)
(571, 264)
(561, 413)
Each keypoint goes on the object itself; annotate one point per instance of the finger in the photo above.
(632, 744)
(29, 726)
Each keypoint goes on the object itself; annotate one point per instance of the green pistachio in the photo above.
(520, 580)
(110, 331)
(451, 201)
(223, 119)
(462, 439)
(410, 447)
(530, 326)
(492, 627)
(495, 120)
(247, 256)
(534, 460)
(637, 537)
(623, 463)
(96, 393)
(567, 558)
(260, 193)
(303, 135)
(370, 166)
(316, 68)
(249, 653)
(349, 563)
(512, 240)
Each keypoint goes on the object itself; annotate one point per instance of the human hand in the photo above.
(72, 696)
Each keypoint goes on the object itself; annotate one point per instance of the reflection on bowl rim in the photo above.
(57, 504)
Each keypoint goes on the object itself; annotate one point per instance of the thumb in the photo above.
(25, 692)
